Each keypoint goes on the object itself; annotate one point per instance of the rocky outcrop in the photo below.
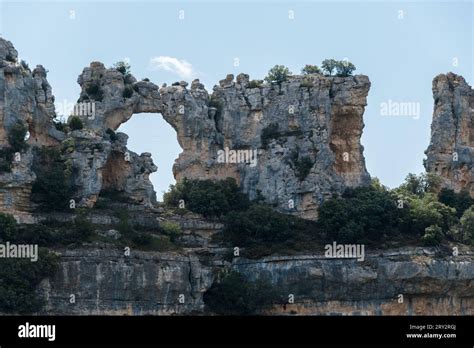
(451, 151)
(90, 154)
(25, 98)
(313, 122)
(296, 143)
(105, 281)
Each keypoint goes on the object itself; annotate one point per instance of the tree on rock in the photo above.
(344, 68)
(123, 67)
(310, 69)
(278, 74)
(329, 66)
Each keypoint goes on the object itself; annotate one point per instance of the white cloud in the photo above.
(180, 67)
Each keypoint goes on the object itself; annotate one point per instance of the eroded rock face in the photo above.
(150, 283)
(25, 98)
(451, 151)
(312, 120)
(303, 135)
(296, 143)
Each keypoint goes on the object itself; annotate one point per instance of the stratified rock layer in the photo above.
(107, 282)
(451, 151)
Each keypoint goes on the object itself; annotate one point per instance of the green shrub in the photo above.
(211, 199)
(234, 295)
(16, 137)
(52, 189)
(19, 279)
(113, 136)
(419, 184)
(60, 126)
(306, 83)
(329, 66)
(278, 74)
(340, 67)
(302, 166)
(427, 211)
(7, 227)
(95, 92)
(255, 84)
(75, 123)
(460, 201)
(171, 229)
(141, 239)
(268, 133)
(6, 159)
(123, 67)
(344, 68)
(310, 69)
(361, 215)
(261, 224)
(467, 225)
(127, 92)
(433, 236)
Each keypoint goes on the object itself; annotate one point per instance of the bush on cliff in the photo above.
(123, 67)
(20, 277)
(234, 295)
(366, 214)
(51, 190)
(19, 280)
(16, 137)
(342, 68)
(361, 215)
(211, 199)
(7, 227)
(310, 69)
(75, 123)
(467, 224)
(262, 225)
(278, 74)
(460, 201)
(268, 133)
(433, 236)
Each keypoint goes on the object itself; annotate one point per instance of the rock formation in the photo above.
(304, 132)
(451, 151)
(25, 97)
(150, 283)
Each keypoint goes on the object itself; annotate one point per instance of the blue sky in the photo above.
(401, 46)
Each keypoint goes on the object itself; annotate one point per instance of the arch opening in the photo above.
(149, 132)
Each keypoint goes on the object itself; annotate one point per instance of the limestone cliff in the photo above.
(304, 133)
(104, 281)
(451, 150)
